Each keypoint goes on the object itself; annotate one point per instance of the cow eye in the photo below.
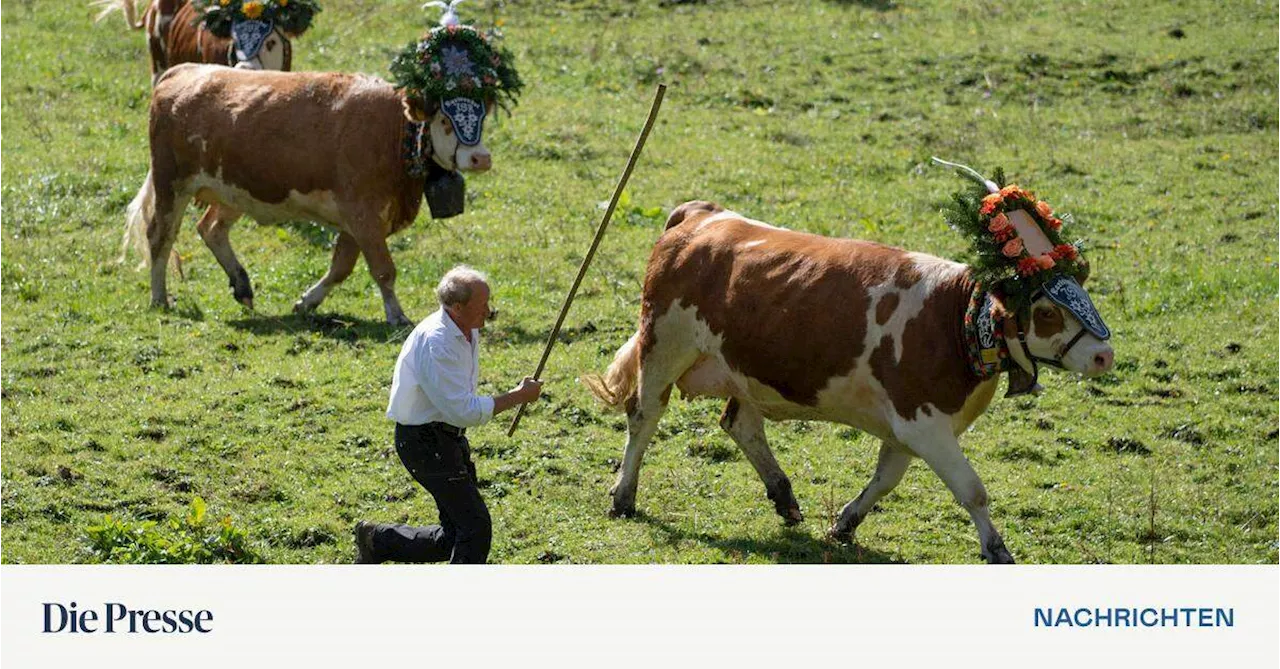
(271, 45)
(1047, 314)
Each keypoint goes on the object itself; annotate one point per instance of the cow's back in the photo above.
(271, 133)
(803, 313)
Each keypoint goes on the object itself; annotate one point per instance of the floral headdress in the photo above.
(457, 61)
(1016, 237)
(293, 17)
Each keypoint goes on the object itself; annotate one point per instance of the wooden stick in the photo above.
(595, 243)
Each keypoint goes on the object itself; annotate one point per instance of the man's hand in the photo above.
(528, 391)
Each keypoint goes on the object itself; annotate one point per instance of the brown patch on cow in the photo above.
(885, 308)
(792, 311)
(933, 369)
(1047, 321)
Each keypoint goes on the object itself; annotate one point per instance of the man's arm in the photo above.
(528, 391)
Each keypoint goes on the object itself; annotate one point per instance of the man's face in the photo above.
(472, 314)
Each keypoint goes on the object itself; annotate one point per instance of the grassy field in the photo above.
(1154, 122)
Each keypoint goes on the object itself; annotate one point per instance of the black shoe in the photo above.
(364, 543)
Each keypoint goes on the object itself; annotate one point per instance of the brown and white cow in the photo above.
(788, 325)
(281, 146)
(175, 35)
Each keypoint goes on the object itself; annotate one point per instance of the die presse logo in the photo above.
(116, 618)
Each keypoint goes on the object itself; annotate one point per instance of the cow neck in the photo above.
(416, 149)
(984, 341)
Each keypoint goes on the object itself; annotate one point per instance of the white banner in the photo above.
(740, 616)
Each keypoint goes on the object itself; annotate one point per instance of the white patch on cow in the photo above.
(204, 143)
(934, 270)
(318, 206)
(727, 215)
(752, 244)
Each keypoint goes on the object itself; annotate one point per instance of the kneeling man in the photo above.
(433, 402)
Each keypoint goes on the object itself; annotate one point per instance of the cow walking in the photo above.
(176, 35)
(788, 325)
(332, 148)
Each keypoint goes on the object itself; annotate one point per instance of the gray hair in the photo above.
(456, 285)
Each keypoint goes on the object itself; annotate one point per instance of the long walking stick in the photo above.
(604, 224)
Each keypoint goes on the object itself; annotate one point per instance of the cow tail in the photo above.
(618, 383)
(125, 7)
(140, 214)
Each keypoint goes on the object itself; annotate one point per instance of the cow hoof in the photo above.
(399, 321)
(792, 516)
(622, 511)
(164, 305)
(996, 553)
(247, 302)
(302, 308)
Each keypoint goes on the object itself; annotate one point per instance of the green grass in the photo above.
(1154, 122)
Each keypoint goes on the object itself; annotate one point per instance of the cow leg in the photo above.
(215, 229)
(891, 466)
(345, 254)
(162, 232)
(943, 454)
(745, 424)
(376, 254)
(659, 369)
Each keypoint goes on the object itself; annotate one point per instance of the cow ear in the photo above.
(415, 107)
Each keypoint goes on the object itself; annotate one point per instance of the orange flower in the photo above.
(1055, 223)
(1045, 261)
(999, 223)
(990, 202)
(1028, 266)
(1013, 192)
(252, 10)
(1012, 248)
(1043, 208)
(1065, 252)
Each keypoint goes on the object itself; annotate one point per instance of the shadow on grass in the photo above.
(342, 327)
(789, 545)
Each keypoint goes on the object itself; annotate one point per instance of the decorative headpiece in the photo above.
(1019, 247)
(457, 62)
(253, 20)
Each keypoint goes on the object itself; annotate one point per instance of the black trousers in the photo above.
(441, 462)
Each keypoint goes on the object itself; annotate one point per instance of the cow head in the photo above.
(1061, 328)
(455, 130)
(259, 45)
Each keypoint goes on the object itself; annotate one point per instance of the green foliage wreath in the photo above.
(457, 61)
(291, 16)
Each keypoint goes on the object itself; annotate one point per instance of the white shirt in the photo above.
(436, 376)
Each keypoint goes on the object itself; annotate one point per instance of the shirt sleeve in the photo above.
(447, 383)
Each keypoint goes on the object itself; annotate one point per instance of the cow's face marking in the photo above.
(1053, 328)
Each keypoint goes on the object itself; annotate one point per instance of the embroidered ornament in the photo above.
(984, 338)
(221, 17)
(249, 36)
(467, 117)
(1068, 294)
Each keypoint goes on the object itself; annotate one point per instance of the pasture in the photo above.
(1153, 122)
